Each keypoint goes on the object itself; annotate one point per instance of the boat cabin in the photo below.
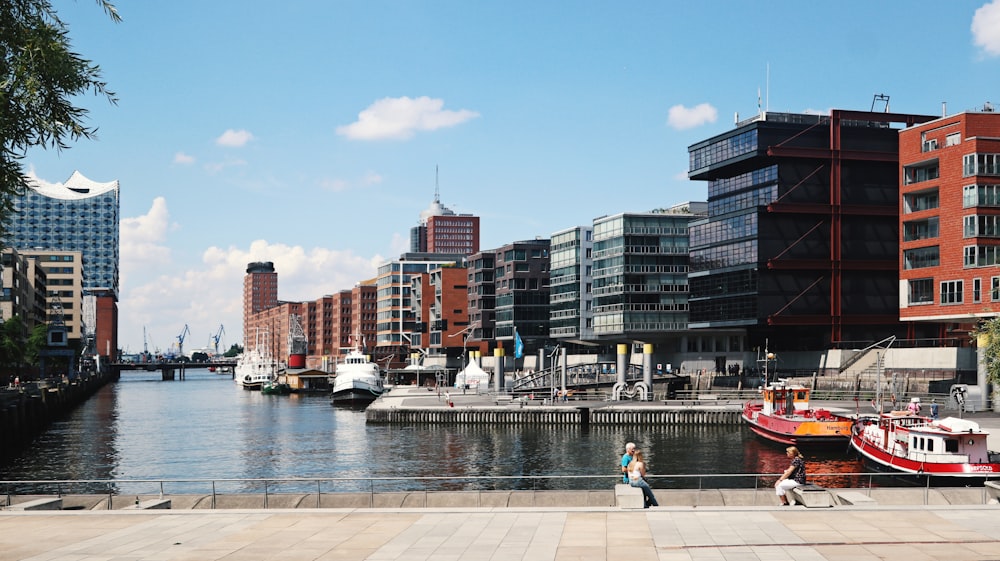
(781, 398)
(948, 440)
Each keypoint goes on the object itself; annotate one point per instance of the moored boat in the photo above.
(357, 380)
(946, 448)
(275, 388)
(254, 368)
(783, 415)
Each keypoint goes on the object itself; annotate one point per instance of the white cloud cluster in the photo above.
(160, 297)
(183, 159)
(234, 139)
(143, 239)
(399, 118)
(986, 28)
(681, 117)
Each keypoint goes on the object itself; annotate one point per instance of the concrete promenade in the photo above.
(952, 533)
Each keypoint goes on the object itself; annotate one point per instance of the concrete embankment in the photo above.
(28, 410)
(406, 405)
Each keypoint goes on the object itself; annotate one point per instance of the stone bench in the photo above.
(627, 496)
(149, 505)
(504, 399)
(855, 498)
(810, 496)
(993, 492)
(48, 503)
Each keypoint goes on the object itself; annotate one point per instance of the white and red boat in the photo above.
(949, 447)
(783, 415)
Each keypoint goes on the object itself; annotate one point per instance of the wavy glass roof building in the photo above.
(78, 215)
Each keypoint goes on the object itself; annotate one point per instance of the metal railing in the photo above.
(267, 488)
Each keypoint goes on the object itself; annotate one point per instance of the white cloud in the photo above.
(234, 139)
(986, 28)
(681, 117)
(399, 118)
(210, 294)
(143, 239)
(182, 158)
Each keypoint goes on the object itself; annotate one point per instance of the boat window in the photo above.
(951, 445)
(930, 444)
(800, 395)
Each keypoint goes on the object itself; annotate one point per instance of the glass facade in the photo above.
(570, 311)
(640, 273)
(80, 215)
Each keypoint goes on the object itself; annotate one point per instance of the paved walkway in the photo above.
(664, 534)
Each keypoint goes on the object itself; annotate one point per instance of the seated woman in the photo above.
(793, 477)
(637, 478)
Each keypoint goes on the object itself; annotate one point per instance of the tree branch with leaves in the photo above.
(40, 78)
(987, 337)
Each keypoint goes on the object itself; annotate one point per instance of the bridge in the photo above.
(170, 370)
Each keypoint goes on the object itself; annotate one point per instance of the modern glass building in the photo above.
(640, 286)
(522, 292)
(570, 283)
(801, 242)
(79, 215)
(82, 216)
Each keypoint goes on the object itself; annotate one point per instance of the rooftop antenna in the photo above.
(880, 98)
(437, 188)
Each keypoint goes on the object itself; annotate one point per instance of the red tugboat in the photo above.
(784, 415)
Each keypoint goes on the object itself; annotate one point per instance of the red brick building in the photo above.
(260, 292)
(454, 233)
(950, 220)
(332, 324)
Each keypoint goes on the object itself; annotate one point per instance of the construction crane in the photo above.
(217, 336)
(180, 340)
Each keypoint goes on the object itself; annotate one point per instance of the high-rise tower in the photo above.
(260, 292)
(442, 231)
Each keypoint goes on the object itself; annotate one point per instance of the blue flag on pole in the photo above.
(518, 345)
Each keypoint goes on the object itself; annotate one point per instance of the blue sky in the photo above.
(307, 133)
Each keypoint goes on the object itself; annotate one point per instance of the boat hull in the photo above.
(799, 430)
(882, 460)
(354, 396)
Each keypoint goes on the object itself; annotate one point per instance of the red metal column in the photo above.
(836, 312)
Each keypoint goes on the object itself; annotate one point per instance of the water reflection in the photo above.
(207, 428)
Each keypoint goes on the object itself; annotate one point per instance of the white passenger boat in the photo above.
(946, 448)
(357, 380)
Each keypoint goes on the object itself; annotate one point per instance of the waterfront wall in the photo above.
(28, 410)
(554, 416)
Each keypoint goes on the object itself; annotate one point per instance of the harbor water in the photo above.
(206, 427)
